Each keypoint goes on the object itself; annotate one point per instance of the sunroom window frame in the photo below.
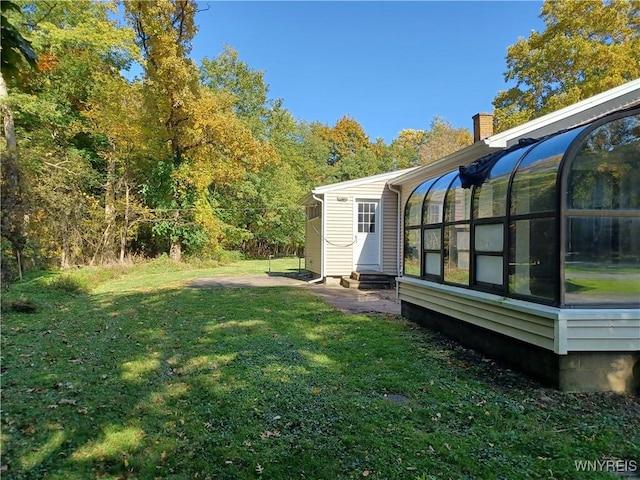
(439, 278)
(566, 213)
(556, 215)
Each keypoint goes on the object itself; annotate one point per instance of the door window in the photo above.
(367, 217)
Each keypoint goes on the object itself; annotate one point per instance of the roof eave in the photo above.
(568, 117)
(579, 113)
(360, 181)
(452, 161)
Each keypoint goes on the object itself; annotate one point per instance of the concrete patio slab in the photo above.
(344, 299)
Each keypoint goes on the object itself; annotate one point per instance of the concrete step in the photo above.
(371, 276)
(380, 284)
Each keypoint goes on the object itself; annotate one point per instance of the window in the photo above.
(533, 236)
(490, 199)
(532, 268)
(489, 251)
(313, 212)
(534, 183)
(457, 233)
(413, 210)
(434, 201)
(602, 225)
(432, 218)
(367, 217)
(412, 252)
(413, 224)
(556, 221)
(432, 251)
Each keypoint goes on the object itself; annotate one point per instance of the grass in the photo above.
(138, 377)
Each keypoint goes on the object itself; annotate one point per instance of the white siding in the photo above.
(340, 227)
(389, 232)
(532, 327)
(338, 239)
(603, 330)
(312, 244)
(562, 331)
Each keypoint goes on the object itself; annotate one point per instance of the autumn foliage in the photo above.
(100, 165)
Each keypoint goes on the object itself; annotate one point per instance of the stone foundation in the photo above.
(574, 372)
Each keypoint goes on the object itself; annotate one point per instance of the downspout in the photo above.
(399, 236)
(322, 230)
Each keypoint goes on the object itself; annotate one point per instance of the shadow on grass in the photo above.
(188, 383)
(292, 273)
(273, 383)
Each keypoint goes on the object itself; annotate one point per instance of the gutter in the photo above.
(322, 263)
(400, 224)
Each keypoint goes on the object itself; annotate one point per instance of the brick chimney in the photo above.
(482, 126)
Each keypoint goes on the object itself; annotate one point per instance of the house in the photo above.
(352, 226)
(524, 245)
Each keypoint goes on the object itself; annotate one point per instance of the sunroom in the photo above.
(532, 254)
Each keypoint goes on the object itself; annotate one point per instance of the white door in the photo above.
(367, 226)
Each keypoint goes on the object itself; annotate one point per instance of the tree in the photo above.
(124, 153)
(421, 147)
(78, 46)
(587, 47)
(441, 140)
(315, 152)
(16, 51)
(207, 143)
(260, 212)
(406, 147)
(347, 137)
(227, 73)
(74, 42)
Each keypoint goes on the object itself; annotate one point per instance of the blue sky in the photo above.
(389, 65)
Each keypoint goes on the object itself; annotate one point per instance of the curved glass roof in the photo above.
(554, 220)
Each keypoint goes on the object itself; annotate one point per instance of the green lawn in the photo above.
(138, 377)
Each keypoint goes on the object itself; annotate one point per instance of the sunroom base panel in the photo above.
(572, 372)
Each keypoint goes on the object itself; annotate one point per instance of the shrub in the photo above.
(69, 283)
(23, 305)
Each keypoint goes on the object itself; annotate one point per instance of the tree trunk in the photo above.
(7, 116)
(125, 226)
(175, 252)
(110, 211)
(13, 215)
(66, 249)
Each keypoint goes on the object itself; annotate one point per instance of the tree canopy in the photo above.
(191, 159)
(587, 47)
